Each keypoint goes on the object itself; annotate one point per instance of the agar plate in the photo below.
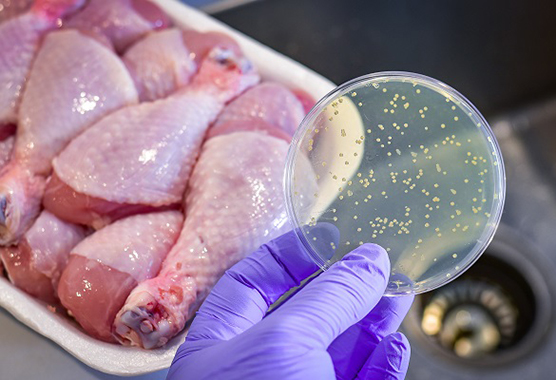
(401, 160)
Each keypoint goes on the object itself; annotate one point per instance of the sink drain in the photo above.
(471, 317)
(498, 311)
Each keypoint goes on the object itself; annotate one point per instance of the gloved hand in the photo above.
(337, 325)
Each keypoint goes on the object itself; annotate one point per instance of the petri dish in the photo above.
(401, 160)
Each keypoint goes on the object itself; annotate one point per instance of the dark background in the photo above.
(499, 54)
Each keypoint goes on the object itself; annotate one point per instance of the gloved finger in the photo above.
(338, 298)
(351, 349)
(243, 295)
(389, 360)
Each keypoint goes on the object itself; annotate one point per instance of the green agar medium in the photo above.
(403, 161)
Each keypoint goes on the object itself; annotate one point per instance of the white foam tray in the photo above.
(126, 361)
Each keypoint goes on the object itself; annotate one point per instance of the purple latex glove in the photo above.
(338, 325)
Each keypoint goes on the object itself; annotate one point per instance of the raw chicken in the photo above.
(153, 166)
(200, 44)
(269, 107)
(121, 22)
(234, 204)
(7, 140)
(6, 147)
(306, 99)
(7, 131)
(107, 265)
(11, 8)
(160, 63)
(19, 41)
(36, 263)
(89, 83)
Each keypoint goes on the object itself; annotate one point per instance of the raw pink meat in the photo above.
(160, 63)
(56, 9)
(19, 41)
(121, 22)
(36, 263)
(200, 44)
(234, 204)
(306, 99)
(84, 286)
(153, 166)
(71, 205)
(269, 107)
(6, 147)
(18, 257)
(105, 267)
(6, 131)
(12, 8)
(89, 83)
(251, 125)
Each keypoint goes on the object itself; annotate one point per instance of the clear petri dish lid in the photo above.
(401, 160)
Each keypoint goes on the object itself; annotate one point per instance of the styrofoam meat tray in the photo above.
(128, 361)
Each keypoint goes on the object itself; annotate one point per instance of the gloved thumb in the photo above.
(335, 300)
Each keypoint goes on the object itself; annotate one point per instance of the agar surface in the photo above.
(429, 187)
